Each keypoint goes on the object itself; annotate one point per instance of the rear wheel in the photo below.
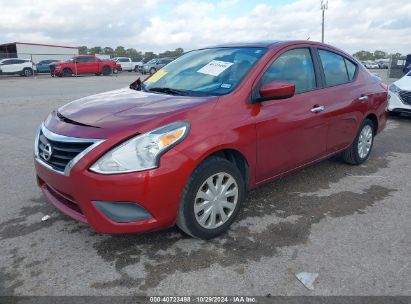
(106, 70)
(361, 147)
(67, 72)
(211, 199)
(136, 69)
(152, 70)
(27, 72)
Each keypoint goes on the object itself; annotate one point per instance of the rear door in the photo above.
(10, 66)
(346, 98)
(293, 131)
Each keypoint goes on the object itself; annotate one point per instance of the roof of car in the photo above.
(265, 43)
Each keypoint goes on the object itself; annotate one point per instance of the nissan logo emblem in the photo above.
(47, 152)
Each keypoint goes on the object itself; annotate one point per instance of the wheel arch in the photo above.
(233, 155)
(374, 119)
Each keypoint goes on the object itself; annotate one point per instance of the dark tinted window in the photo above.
(295, 66)
(334, 68)
(7, 61)
(123, 60)
(351, 68)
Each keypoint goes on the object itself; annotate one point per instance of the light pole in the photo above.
(324, 6)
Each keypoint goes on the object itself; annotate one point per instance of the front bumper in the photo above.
(156, 191)
(395, 104)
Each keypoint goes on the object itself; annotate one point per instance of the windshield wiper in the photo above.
(168, 91)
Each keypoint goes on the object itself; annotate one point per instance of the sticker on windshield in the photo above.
(215, 67)
(226, 85)
(156, 76)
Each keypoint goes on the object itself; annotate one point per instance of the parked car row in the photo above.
(82, 64)
(375, 64)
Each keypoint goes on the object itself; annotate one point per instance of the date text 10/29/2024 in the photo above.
(203, 299)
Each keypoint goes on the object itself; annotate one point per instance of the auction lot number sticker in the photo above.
(203, 299)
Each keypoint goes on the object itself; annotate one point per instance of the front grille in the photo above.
(405, 97)
(65, 199)
(58, 154)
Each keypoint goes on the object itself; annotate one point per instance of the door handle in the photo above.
(318, 109)
(363, 98)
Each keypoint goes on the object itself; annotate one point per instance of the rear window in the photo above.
(351, 68)
(337, 69)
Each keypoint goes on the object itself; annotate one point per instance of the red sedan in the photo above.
(184, 146)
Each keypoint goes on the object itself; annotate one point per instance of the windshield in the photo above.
(206, 72)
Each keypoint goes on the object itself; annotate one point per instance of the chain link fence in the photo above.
(398, 66)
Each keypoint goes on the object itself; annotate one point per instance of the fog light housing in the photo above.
(123, 212)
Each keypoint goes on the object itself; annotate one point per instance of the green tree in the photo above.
(108, 50)
(380, 54)
(83, 50)
(149, 55)
(364, 55)
(95, 50)
(120, 51)
(133, 53)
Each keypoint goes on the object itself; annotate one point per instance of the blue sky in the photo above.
(159, 25)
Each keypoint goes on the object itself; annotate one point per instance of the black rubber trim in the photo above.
(123, 212)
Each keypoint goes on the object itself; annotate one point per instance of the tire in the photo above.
(211, 170)
(106, 71)
(97, 74)
(67, 72)
(353, 154)
(136, 69)
(27, 72)
(152, 71)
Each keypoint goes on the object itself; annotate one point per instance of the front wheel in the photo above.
(360, 149)
(67, 73)
(211, 199)
(106, 71)
(27, 72)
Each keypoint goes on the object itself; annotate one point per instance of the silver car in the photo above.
(155, 64)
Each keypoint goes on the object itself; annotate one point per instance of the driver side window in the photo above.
(295, 66)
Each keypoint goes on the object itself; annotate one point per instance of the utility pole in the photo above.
(324, 6)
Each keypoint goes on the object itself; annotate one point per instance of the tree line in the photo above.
(121, 51)
(376, 55)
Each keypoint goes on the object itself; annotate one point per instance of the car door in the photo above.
(346, 98)
(80, 65)
(7, 66)
(293, 131)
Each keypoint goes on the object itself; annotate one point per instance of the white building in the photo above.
(37, 52)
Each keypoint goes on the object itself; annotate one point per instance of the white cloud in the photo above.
(146, 25)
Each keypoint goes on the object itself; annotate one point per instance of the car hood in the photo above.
(126, 107)
(404, 83)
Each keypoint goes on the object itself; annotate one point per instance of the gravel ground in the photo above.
(349, 224)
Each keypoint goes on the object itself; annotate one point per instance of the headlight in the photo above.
(393, 88)
(143, 151)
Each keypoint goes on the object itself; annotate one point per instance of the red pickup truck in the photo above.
(83, 64)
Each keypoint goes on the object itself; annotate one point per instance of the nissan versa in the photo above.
(184, 146)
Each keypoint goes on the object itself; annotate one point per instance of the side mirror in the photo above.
(275, 90)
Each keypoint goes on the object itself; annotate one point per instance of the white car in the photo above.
(371, 65)
(12, 66)
(399, 95)
(127, 64)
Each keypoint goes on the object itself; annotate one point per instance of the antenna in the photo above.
(324, 7)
